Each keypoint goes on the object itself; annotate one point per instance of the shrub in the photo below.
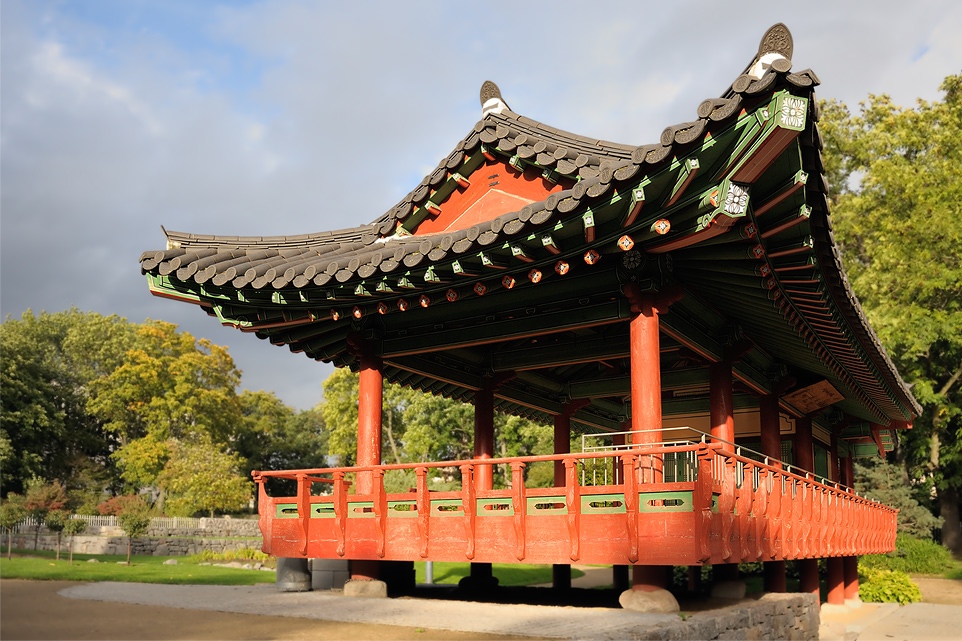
(114, 506)
(888, 586)
(911, 555)
(887, 483)
(72, 528)
(243, 554)
(134, 520)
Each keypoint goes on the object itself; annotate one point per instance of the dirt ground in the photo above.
(34, 610)
(941, 591)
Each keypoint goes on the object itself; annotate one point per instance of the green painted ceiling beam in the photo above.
(524, 326)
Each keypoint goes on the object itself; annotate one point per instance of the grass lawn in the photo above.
(142, 569)
(507, 574)
(151, 569)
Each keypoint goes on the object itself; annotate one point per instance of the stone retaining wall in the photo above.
(773, 616)
(148, 545)
(220, 527)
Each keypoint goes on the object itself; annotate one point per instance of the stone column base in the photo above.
(366, 588)
(293, 575)
(734, 590)
(657, 600)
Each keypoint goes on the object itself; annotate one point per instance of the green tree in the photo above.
(438, 429)
(49, 362)
(339, 410)
(134, 521)
(56, 520)
(41, 499)
(884, 482)
(169, 387)
(72, 528)
(199, 476)
(12, 512)
(424, 427)
(896, 175)
(272, 436)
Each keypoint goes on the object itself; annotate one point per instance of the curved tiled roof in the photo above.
(772, 268)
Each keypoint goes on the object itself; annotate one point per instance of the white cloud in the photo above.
(293, 116)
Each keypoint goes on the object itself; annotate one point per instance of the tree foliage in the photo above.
(108, 406)
(72, 528)
(896, 175)
(48, 364)
(886, 482)
(423, 427)
(272, 436)
(169, 386)
(12, 512)
(134, 520)
(201, 477)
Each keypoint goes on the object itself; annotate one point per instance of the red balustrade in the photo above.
(709, 506)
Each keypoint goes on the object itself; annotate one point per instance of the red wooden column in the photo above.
(772, 447)
(481, 573)
(369, 401)
(835, 581)
(849, 563)
(805, 459)
(804, 446)
(645, 351)
(561, 572)
(834, 469)
(850, 570)
(618, 443)
(484, 436)
(619, 573)
(722, 417)
(835, 565)
(722, 411)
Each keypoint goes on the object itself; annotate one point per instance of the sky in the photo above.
(287, 117)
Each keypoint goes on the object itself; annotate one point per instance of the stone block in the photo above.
(649, 601)
(366, 589)
(293, 575)
(732, 590)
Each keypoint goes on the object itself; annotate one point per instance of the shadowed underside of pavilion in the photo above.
(682, 302)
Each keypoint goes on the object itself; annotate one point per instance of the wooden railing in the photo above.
(722, 508)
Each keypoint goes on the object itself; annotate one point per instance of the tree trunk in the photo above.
(951, 527)
(389, 424)
(128, 550)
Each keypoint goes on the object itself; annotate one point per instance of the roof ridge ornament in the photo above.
(491, 101)
(776, 44)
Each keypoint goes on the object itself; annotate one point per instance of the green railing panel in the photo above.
(665, 502)
(603, 504)
(402, 509)
(322, 511)
(446, 507)
(360, 509)
(495, 507)
(543, 505)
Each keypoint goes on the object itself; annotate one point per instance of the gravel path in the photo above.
(517, 620)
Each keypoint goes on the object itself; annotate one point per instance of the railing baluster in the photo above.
(304, 510)
(631, 504)
(573, 501)
(424, 511)
(380, 511)
(340, 511)
(469, 505)
(519, 500)
(702, 498)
